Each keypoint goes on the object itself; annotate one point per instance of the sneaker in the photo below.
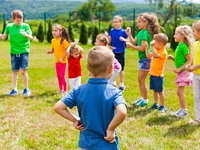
(154, 106)
(26, 92)
(142, 103)
(122, 88)
(162, 109)
(13, 93)
(194, 122)
(180, 113)
(137, 102)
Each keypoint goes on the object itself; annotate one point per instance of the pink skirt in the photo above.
(184, 78)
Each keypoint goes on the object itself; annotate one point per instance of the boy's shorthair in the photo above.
(99, 59)
(17, 14)
(161, 37)
(118, 17)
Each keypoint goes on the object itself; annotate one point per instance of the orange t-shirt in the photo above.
(158, 64)
(59, 49)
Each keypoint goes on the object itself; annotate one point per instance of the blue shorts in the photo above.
(144, 64)
(156, 83)
(19, 61)
(121, 59)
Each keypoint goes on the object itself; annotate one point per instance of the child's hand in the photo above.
(49, 52)
(123, 39)
(110, 136)
(128, 31)
(170, 57)
(24, 33)
(60, 60)
(177, 70)
(106, 34)
(191, 68)
(78, 125)
(1, 35)
(152, 43)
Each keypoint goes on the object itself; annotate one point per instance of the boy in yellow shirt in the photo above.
(159, 57)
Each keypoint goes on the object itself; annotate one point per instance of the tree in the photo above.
(83, 35)
(109, 27)
(91, 9)
(49, 31)
(70, 32)
(94, 35)
(40, 33)
(165, 8)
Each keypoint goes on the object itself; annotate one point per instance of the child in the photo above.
(102, 40)
(118, 45)
(97, 103)
(183, 35)
(74, 55)
(20, 36)
(60, 43)
(196, 70)
(148, 26)
(159, 55)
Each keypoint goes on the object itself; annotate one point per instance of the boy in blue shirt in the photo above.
(118, 45)
(101, 106)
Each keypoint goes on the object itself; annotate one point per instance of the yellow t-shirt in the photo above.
(196, 60)
(59, 49)
(158, 64)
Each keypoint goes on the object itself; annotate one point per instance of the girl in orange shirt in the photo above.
(60, 43)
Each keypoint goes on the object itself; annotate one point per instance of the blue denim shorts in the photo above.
(19, 61)
(144, 64)
(156, 83)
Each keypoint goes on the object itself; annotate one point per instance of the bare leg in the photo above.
(14, 79)
(141, 79)
(181, 95)
(25, 78)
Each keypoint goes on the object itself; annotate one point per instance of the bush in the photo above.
(40, 33)
(70, 32)
(49, 31)
(83, 35)
(95, 33)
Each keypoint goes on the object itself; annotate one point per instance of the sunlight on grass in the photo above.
(31, 123)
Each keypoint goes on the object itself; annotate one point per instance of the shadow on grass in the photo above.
(181, 131)
(137, 111)
(162, 120)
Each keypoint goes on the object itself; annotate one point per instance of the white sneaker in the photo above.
(180, 113)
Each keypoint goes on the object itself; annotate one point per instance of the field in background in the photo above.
(31, 124)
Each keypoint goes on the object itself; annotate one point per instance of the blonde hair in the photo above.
(99, 59)
(17, 14)
(161, 37)
(153, 24)
(103, 39)
(196, 25)
(118, 17)
(186, 31)
(76, 48)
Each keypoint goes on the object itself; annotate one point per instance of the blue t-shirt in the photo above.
(119, 45)
(96, 102)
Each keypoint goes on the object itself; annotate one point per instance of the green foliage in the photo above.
(34, 26)
(70, 32)
(84, 34)
(109, 27)
(95, 33)
(40, 33)
(49, 31)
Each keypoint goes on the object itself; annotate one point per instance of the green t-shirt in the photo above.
(143, 35)
(18, 43)
(180, 52)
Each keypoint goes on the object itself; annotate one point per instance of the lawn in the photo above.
(30, 123)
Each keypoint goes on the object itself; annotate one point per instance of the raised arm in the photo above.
(121, 112)
(130, 37)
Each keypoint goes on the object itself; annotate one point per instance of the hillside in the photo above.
(34, 9)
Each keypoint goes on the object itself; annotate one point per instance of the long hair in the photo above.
(186, 31)
(153, 24)
(64, 35)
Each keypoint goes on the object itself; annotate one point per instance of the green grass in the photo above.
(30, 123)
